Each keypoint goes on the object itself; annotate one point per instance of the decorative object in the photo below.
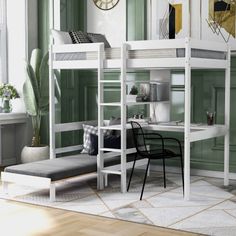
(221, 19)
(105, 4)
(36, 99)
(31, 154)
(7, 93)
(171, 22)
(131, 97)
(98, 38)
(210, 117)
(79, 37)
(61, 37)
(35, 91)
(144, 92)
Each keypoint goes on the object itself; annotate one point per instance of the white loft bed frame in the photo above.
(123, 65)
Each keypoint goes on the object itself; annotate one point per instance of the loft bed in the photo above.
(186, 54)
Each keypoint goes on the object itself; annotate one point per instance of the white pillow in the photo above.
(61, 37)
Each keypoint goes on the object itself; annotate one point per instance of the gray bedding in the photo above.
(64, 167)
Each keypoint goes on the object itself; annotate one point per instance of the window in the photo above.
(3, 42)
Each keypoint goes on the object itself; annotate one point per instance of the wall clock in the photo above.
(105, 4)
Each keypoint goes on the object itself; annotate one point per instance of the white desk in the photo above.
(197, 132)
(13, 136)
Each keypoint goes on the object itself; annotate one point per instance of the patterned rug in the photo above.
(211, 210)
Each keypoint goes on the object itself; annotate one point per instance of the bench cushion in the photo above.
(63, 167)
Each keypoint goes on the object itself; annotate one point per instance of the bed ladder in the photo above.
(106, 152)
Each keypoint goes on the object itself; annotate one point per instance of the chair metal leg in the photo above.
(164, 171)
(145, 177)
(182, 171)
(132, 171)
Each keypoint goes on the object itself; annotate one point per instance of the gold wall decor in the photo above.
(178, 17)
(223, 18)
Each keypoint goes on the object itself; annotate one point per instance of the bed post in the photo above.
(123, 116)
(52, 192)
(5, 187)
(187, 118)
(100, 158)
(51, 105)
(51, 86)
(227, 119)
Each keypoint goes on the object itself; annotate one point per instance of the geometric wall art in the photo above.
(219, 21)
(211, 20)
(170, 22)
(222, 18)
(175, 20)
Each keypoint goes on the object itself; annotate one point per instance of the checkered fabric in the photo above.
(98, 38)
(79, 37)
(88, 129)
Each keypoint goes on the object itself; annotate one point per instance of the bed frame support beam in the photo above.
(52, 192)
(227, 119)
(187, 118)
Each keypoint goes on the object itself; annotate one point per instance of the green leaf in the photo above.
(35, 61)
(32, 77)
(44, 82)
(29, 98)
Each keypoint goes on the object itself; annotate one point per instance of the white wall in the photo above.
(18, 29)
(112, 23)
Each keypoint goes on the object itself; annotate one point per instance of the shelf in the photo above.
(13, 118)
(111, 104)
(110, 81)
(198, 131)
(145, 103)
(110, 150)
(111, 127)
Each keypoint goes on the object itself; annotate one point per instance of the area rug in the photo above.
(211, 210)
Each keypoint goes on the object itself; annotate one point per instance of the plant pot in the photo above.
(31, 154)
(6, 106)
(131, 98)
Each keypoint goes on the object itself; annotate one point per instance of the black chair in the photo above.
(142, 144)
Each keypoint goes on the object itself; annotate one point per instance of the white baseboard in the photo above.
(205, 173)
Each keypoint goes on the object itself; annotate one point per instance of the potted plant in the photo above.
(7, 93)
(131, 97)
(36, 99)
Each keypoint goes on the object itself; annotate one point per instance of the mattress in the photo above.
(63, 167)
(114, 53)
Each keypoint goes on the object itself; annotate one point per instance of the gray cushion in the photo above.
(79, 37)
(64, 167)
(98, 38)
(88, 129)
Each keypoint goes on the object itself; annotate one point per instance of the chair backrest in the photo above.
(139, 138)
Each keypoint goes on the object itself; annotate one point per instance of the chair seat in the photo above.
(158, 154)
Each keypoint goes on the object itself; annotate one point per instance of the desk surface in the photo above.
(12, 118)
(197, 131)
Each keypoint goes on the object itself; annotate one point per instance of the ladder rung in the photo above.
(110, 150)
(112, 127)
(111, 104)
(114, 172)
(110, 81)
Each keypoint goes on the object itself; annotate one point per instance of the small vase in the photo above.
(6, 106)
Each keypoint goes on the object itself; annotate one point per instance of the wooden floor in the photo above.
(18, 219)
